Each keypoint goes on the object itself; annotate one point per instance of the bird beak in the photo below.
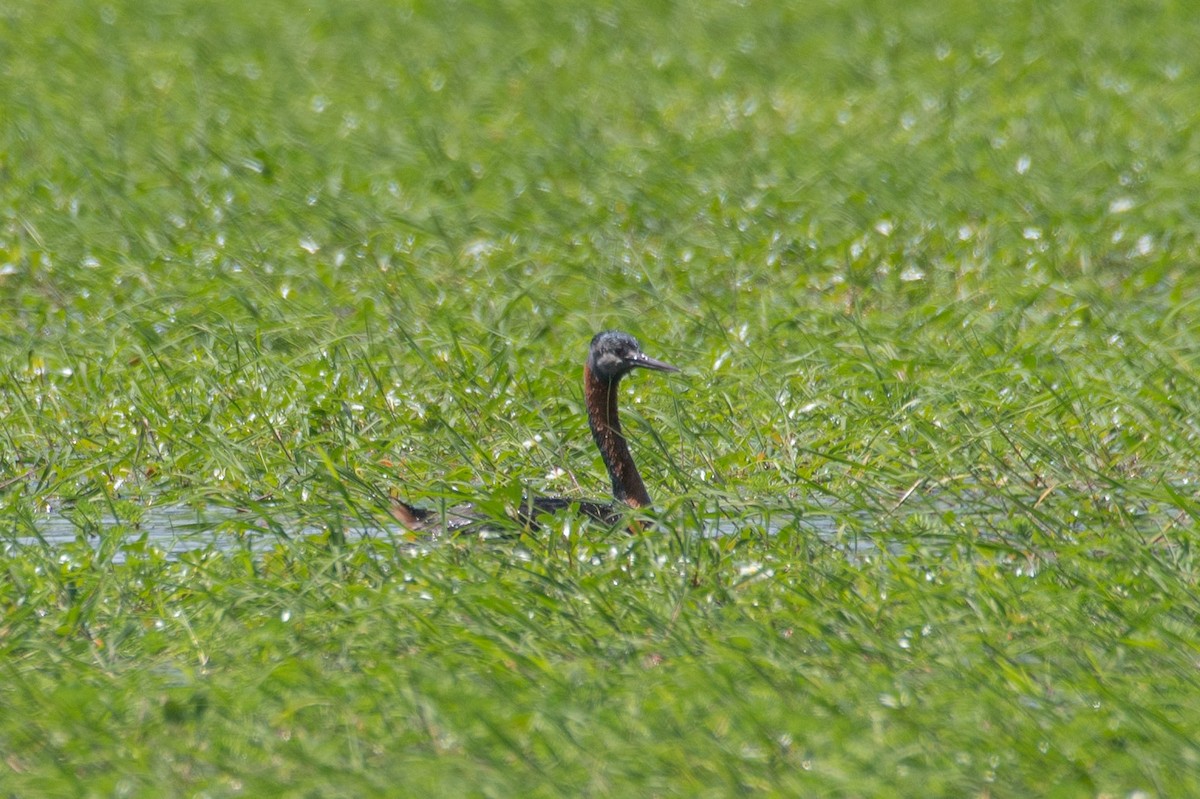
(646, 362)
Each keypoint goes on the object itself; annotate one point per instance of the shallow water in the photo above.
(173, 529)
(177, 529)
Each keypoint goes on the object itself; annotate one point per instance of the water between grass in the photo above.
(178, 529)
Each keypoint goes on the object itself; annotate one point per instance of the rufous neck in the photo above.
(601, 398)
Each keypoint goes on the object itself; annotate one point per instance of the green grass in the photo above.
(931, 271)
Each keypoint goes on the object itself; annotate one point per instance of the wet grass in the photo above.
(931, 275)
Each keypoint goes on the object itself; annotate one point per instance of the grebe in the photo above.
(611, 355)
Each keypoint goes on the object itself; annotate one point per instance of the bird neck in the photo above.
(601, 398)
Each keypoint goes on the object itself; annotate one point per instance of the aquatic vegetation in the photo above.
(926, 490)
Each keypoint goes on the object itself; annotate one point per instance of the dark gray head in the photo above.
(614, 354)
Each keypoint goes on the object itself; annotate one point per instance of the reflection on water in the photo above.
(858, 527)
(822, 525)
(173, 529)
(178, 529)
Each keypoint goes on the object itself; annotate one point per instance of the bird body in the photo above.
(611, 355)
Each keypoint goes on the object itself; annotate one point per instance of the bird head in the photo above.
(614, 354)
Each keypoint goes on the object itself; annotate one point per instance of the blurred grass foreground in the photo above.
(926, 489)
